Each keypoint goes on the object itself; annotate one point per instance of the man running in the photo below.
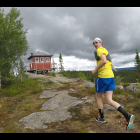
(105, 83)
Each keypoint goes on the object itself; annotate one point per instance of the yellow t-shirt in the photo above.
(106, 70)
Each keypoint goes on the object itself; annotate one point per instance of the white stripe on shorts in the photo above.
(97, 82)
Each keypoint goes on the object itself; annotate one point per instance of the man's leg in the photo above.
(129, 118)
(99, 100)
(100, 117)
(108, 96)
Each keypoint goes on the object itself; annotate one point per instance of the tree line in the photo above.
(127, 76)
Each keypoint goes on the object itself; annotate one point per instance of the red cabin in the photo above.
(40, 62)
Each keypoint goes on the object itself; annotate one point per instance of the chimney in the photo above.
(31, 54)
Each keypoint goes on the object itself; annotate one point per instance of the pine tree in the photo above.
(61, 67)
(137, 63)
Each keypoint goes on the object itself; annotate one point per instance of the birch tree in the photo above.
(13, 42)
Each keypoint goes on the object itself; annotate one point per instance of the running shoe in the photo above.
(98, 119)
(130, 122)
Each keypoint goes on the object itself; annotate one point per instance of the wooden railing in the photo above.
(54, 66)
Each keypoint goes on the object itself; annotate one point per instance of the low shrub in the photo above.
(125, 84)
(53, 74)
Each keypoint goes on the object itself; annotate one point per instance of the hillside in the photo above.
(128, 68)
(65, 105)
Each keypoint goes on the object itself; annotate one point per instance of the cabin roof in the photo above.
(39, 54)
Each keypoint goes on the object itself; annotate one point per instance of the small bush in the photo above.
(53, 74)
(125, 84)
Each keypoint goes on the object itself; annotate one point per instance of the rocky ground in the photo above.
(69, 108)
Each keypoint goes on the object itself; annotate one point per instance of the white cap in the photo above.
(97, 39)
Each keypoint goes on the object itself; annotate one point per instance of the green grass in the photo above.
(119, 91)
(127, 109)
(27, 85)
(136, 105)
(91, 90)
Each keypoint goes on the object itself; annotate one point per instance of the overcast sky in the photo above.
(71, 30)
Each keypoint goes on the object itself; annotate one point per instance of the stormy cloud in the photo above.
(70, 31)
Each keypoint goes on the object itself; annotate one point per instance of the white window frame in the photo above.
(36, 61)
(46, 59)
(43, 60)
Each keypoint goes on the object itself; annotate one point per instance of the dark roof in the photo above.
(39, 54)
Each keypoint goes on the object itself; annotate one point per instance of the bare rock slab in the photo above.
(71, 89)
(49, 94)
(62, 100)
(88, 84)
(133, 87)
(39, 120)
(57, 107)
(90, 131)
(109, 108)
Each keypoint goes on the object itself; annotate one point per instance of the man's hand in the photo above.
(93, 72)
(102, 63)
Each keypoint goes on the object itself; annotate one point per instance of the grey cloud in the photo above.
(70, 30)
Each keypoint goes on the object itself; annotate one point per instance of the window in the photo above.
(47, 59)
(42, 59)
(36, 60)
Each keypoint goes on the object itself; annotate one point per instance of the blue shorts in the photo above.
(104, 84)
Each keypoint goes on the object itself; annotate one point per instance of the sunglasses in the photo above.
(95, 42)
